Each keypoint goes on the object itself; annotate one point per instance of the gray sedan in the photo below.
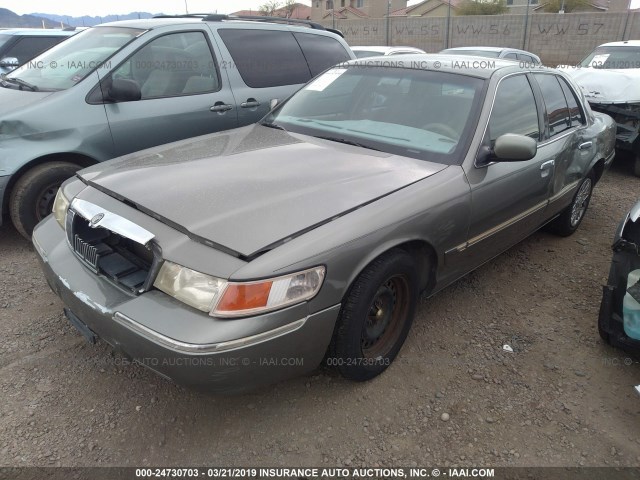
(242, 258)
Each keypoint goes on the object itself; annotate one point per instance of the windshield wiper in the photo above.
(22, 83)
(348, 142)
(273, 125)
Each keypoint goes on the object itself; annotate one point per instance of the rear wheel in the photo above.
(571, 218)
(33, 194)
(376, 316)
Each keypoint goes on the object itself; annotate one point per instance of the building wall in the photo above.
(372, 8)
(556, 38)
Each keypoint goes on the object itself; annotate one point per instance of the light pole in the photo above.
(186, 7)
(448, 23)
(526, 24)
(388, 22)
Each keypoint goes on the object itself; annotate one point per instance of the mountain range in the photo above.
(9, 19)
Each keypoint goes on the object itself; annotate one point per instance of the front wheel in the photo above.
(33, 194)
(571, 218)
(376, 316)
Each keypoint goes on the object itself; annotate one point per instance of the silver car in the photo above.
(514, 54)
(242, 258)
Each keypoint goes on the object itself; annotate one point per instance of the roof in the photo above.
(407, 11)
(44, 32)
(341, 13)
(151, 23)
(383, 49)
(458, 64)
(626, 43)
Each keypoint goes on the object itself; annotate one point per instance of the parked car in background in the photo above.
(315, 230)
(496, 52)
(364, 52)
(18, 46)
(610, 78)
(125, 86)
(619, 319)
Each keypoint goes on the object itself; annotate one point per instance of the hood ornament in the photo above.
(95, 220)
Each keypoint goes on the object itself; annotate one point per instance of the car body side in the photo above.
(450, 222)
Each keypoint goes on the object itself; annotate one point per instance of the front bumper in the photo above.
(4, 181)
(177, 342)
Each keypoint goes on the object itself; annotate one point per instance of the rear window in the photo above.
(556, 103)
(266, 58)
(321, 52)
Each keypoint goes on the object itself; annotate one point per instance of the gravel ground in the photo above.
(452, 397)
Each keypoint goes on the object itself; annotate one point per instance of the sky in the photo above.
(77, 8)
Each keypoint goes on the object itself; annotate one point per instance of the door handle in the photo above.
(585, 145)
(250, 103)
(221, 107)
(546, 167)
(548, 164)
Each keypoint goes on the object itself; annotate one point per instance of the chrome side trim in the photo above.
(99, 217)
(506, 224)
(205, 348)
(564, 191)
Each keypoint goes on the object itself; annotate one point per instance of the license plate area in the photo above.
(84, 330)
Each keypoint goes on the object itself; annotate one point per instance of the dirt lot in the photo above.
(562, 398)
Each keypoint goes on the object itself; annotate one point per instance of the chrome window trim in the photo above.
(205, 348)
(111, 221)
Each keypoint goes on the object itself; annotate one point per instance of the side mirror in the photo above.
(124, 90)
(10, 62)
(511, 147)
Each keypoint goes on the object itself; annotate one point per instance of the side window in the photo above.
(556, 104)
(514, 109)
(527, 58)
(27, 48)
(165, 71)
(511, 56)
(575, 112)
(321, 52)
(266, 58)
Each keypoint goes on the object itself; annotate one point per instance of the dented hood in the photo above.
(607, 86)
(249, 189)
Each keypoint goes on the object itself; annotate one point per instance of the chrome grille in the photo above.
(112, 255)
(86, 251)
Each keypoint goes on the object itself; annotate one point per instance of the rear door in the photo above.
(265, 65)
(566, 138)
(184, 93)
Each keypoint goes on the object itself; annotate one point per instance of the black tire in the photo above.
(636, 165)
(571, 218)
(365, 343)
(33, 194)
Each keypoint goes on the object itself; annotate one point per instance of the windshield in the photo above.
(4, 39)
(415, 113)
(613, 58)
(72, 60)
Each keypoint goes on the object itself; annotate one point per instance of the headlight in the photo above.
(60, 207)
(237, 299)
(193, 288)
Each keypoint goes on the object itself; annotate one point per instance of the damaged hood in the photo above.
(249, 189)
(607, 86)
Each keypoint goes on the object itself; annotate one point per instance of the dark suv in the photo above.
(126, 86)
